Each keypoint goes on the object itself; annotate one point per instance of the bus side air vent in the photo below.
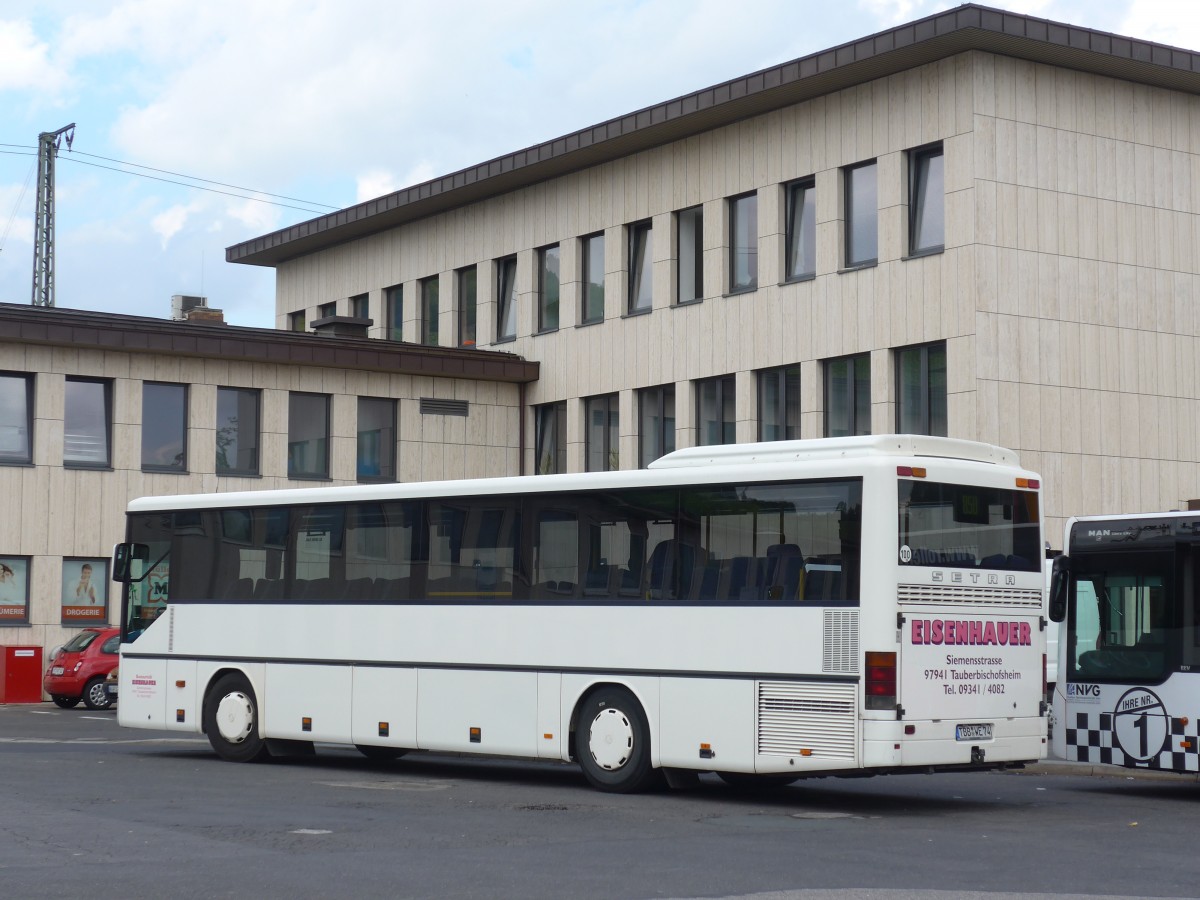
(839, 645)
(817, 717)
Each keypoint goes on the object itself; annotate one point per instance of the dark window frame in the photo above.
(393, 306)
(741, 214)
(325, 310)
(548, 302)
(726, 385)
(107, 385)
(663, 439)
(696, 253)
(782, 375)
(611, 454)
(321, 474)
(468, 305)
(588, 280)
(256, 469)
(430, 290)
(506, 300)
(360, 306)
(639, 246)
(182, 466)
(805, 188)
(388, 461)
(26, 459)
(297, 321)
(856, 415)
(925, 388)
(918, 191)
(555, 435)
(848, 178)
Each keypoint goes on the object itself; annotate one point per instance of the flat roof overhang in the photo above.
(78, 329)
(968, 27)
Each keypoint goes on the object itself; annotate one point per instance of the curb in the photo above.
(1066, 767)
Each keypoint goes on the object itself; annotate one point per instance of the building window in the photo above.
(779, 404)
(506, 298)
(603, 433)
(716, 411)
(592, 251)
(862, 215)
(164, 427)
(689, 234)
(641, 254)
(376, 439)
(656, 423)
(16, 419)
(466, 306)
(87, 423)
(296, 321)
(848, 396)
(393, 302)
(548, 288)
(360, 306)
(921, 390)
(327, 309)
(550, 438)
(801, 230)
(308, 435)
(926, 201)
(429, 288)
(743, 243)
(237, 431)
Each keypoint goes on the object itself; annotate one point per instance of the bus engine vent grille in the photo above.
(818, 718)
(972, 596)
(839, 646)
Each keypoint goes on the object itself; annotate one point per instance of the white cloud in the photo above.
(170, 222)
(24, 60)
(374, 183)
(1164, 21)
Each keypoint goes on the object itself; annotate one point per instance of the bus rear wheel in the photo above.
(231, 720)
(613, 742)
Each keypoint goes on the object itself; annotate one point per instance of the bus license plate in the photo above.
(973, 732)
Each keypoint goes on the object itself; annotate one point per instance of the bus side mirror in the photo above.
(1060, 575)
(122, 561)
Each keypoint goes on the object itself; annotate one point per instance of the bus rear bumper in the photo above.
(921, 743)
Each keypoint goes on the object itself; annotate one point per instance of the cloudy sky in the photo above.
(324, 103)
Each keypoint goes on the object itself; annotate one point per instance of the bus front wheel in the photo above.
(231, 720)
(613, 742)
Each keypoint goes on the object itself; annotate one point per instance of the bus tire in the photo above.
(613, 742)
(231, 720)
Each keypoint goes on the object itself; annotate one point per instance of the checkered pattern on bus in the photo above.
(1091, 740)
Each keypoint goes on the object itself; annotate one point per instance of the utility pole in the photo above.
(43, 229)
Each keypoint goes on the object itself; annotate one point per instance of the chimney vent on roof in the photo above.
(342, 326)
(182, 304)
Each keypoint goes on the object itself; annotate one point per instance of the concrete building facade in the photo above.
(97, 409)
(979, 224)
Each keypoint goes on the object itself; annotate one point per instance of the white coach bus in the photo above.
(764, 611)
(1128, 588)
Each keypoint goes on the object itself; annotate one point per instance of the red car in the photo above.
(78, 670)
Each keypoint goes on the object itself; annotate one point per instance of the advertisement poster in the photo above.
(85, 592)
(14, 590)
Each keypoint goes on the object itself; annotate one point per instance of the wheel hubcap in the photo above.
(235, 717)
(611, 739)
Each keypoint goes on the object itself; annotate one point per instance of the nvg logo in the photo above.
(1084, 690)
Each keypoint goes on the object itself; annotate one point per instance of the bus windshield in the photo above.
(967, 526)
(1120, 626)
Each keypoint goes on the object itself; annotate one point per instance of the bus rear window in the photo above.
(966, 526)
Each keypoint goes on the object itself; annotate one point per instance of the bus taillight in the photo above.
(881, 680)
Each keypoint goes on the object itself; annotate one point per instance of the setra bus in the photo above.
(1127, 593)
(770, 611)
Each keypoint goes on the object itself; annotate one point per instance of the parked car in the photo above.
(77, 671)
